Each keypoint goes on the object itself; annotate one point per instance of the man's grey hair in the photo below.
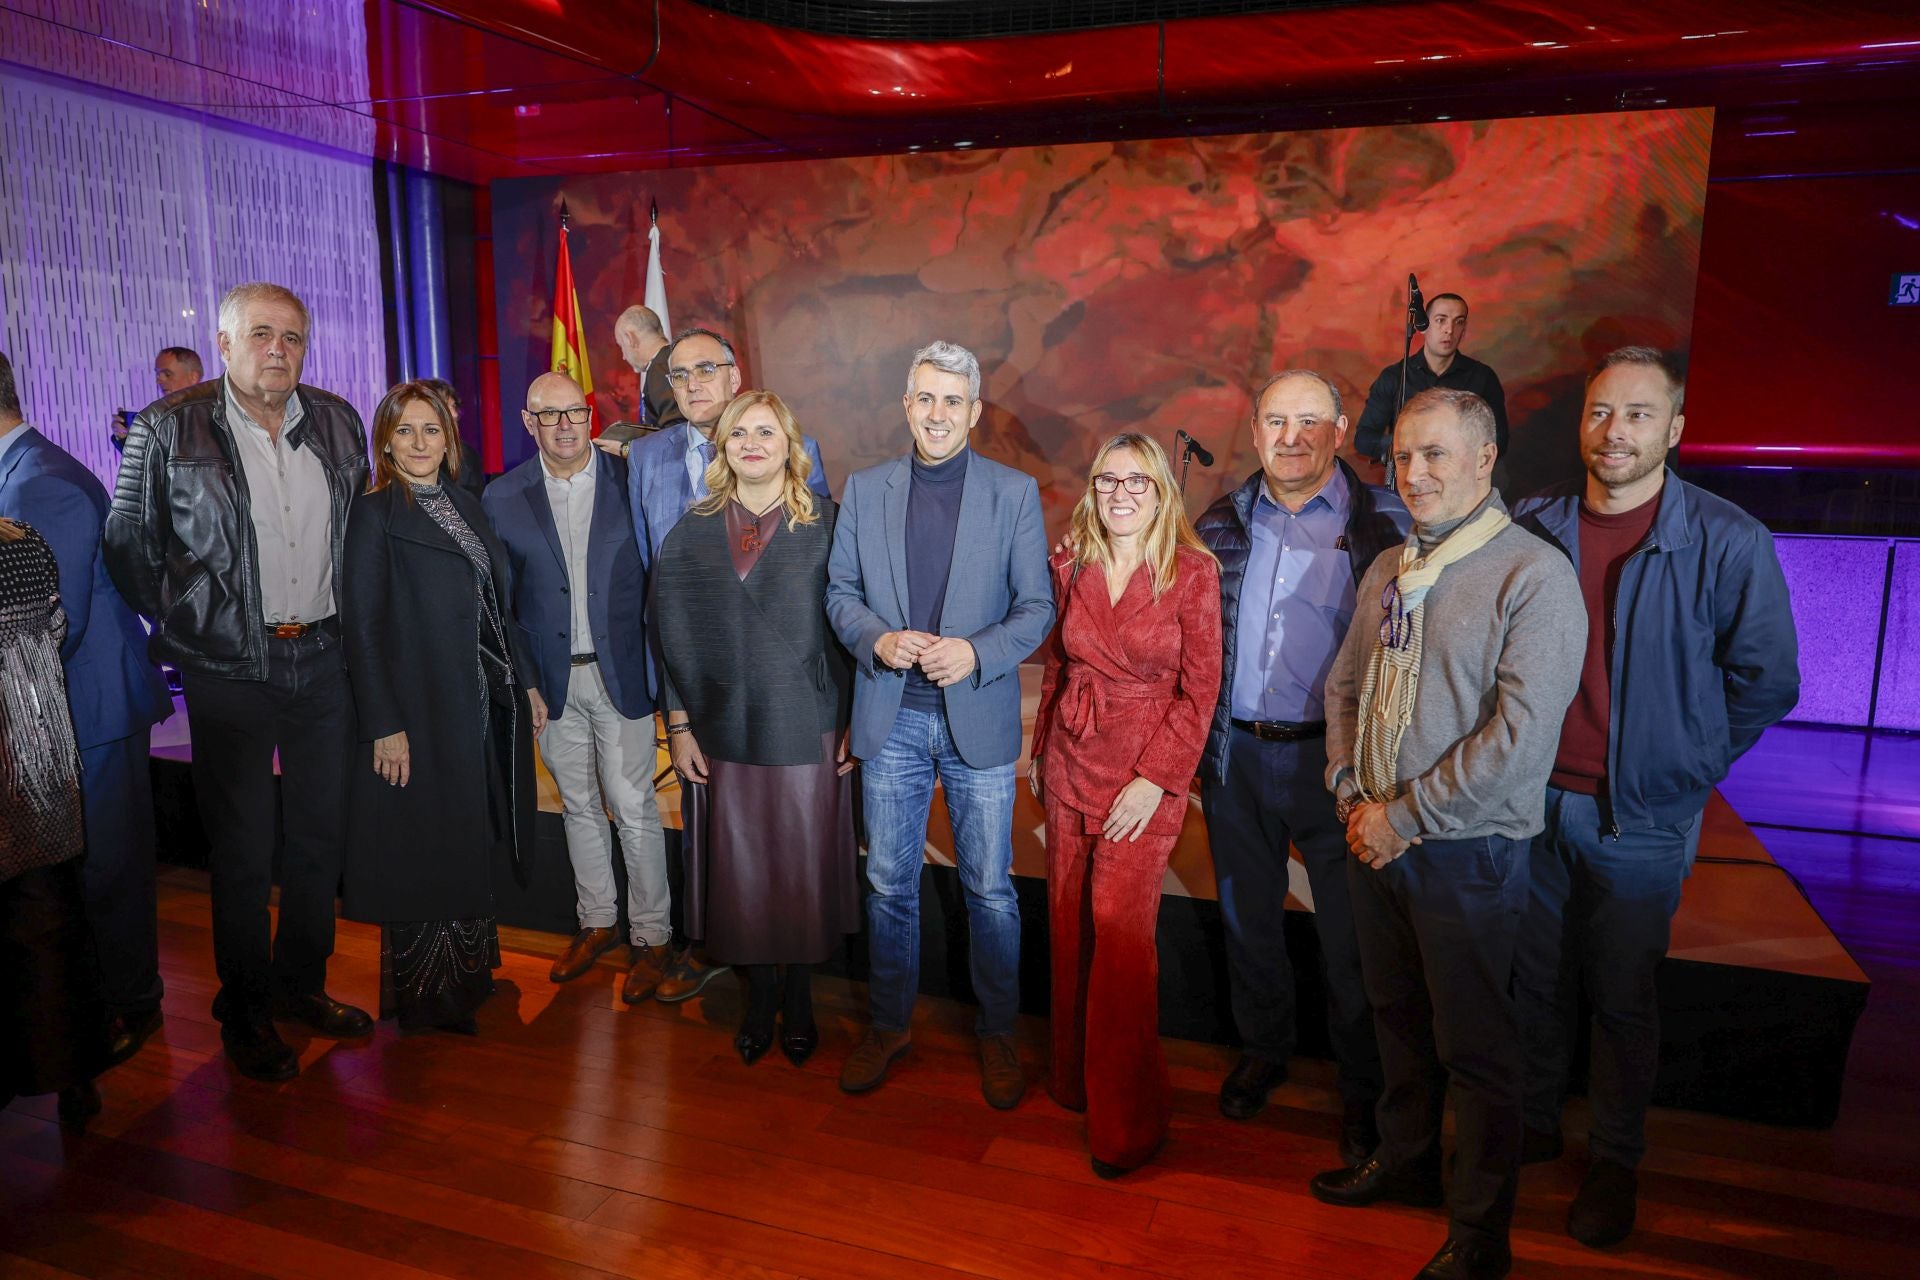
(238, 298)
(948, 357)
(1475, 414)
(1333, 392)
(186, 356)
(702, 333)
(1646, 358)
(641, 320)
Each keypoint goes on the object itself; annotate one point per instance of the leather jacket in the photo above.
(179, 540)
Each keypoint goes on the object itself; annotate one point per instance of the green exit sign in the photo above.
(1904, 291)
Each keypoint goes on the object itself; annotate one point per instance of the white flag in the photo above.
(657, 282)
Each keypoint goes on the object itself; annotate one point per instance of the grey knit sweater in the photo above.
(1505, 633)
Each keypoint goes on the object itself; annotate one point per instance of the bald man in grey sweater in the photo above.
(1443, 716)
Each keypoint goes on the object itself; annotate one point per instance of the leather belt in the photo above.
(296, 630)
(583, 659)
(1283, 731)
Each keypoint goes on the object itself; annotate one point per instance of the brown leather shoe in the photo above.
(687, 974)
(1002, 1081)
(587, 946)
(868, 1064)
(643, 974)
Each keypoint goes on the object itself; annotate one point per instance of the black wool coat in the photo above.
(410, 616)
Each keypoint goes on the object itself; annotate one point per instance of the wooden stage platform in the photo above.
(1759, 998)
(576, 1137)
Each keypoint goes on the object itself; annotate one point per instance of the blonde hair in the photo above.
(1170, 530)
(721, 481)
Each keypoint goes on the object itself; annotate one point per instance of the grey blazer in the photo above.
(999, 598)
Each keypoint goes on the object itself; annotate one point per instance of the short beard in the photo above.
(1644, 465)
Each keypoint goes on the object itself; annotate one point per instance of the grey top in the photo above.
(1504, 636)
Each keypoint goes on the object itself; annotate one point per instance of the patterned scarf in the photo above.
(1393, 672)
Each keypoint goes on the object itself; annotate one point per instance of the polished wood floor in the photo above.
(577, 1137)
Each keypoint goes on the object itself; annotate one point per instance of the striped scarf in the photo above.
(1392, 681)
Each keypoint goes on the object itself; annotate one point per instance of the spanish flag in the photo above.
(569, 327)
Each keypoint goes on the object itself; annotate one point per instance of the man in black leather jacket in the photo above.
(226, 531)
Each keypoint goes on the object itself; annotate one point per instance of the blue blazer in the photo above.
(999, 597)
(522, 518)
(660, 491)
(112, 689)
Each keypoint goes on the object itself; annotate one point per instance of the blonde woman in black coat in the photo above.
(443, 796)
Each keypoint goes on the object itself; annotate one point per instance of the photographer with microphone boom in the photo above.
(1443, 324)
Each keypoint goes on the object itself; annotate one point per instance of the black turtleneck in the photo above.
(933, 514)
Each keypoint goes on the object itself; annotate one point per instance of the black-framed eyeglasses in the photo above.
(551, 417)
(705, 371)
(1107, 482)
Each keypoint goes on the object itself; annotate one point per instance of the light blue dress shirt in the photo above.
(1295, 603)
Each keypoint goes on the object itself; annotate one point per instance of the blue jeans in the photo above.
(897, 786)
(1598, 919)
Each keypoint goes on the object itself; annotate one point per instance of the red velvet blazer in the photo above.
(1129, 688)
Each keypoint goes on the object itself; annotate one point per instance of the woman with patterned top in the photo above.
(51, 1015)
(443, 800)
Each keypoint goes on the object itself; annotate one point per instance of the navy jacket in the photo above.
(112, 689)
(1376, 520)
(522, 518)
(1704, 655)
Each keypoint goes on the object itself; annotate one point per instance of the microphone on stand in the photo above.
(1193, 447)
(1416, 304)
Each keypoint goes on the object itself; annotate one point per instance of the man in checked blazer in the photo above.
(666, 474)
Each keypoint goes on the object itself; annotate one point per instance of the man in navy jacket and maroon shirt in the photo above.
(1690, 655)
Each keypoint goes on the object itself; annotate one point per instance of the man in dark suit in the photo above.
(579, 595)
(116, 697)
(644, 346)
(666, 474)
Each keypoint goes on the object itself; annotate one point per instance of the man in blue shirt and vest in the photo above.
(1292, 542)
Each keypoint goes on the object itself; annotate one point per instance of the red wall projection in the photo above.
(1137, 285)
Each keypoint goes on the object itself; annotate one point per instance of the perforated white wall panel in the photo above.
(121, 225)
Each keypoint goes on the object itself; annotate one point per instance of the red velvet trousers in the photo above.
(1103, 905)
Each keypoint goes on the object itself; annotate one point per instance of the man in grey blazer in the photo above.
(938, 587)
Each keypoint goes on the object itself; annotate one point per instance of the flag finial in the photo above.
(653, 212)
(564, 215)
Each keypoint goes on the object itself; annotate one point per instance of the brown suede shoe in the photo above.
(587, 946)
(1002, 1081)
(687, 973)
(868, 1064)
(643, 974)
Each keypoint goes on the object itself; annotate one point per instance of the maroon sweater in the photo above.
(1605, 544)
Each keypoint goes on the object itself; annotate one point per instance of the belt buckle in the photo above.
(290, 630)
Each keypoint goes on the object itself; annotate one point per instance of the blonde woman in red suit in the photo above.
(1132, 673)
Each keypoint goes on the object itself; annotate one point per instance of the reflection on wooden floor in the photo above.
(577, 1137)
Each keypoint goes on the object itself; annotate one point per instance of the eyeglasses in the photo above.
(551, 417)
(1396, 627)
(705, 371)
(1107, 482)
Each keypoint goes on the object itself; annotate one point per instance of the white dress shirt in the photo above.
(571, 498)
(292, 516)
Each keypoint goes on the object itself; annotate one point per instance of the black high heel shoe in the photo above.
(799, 1047)
(753, 1043)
